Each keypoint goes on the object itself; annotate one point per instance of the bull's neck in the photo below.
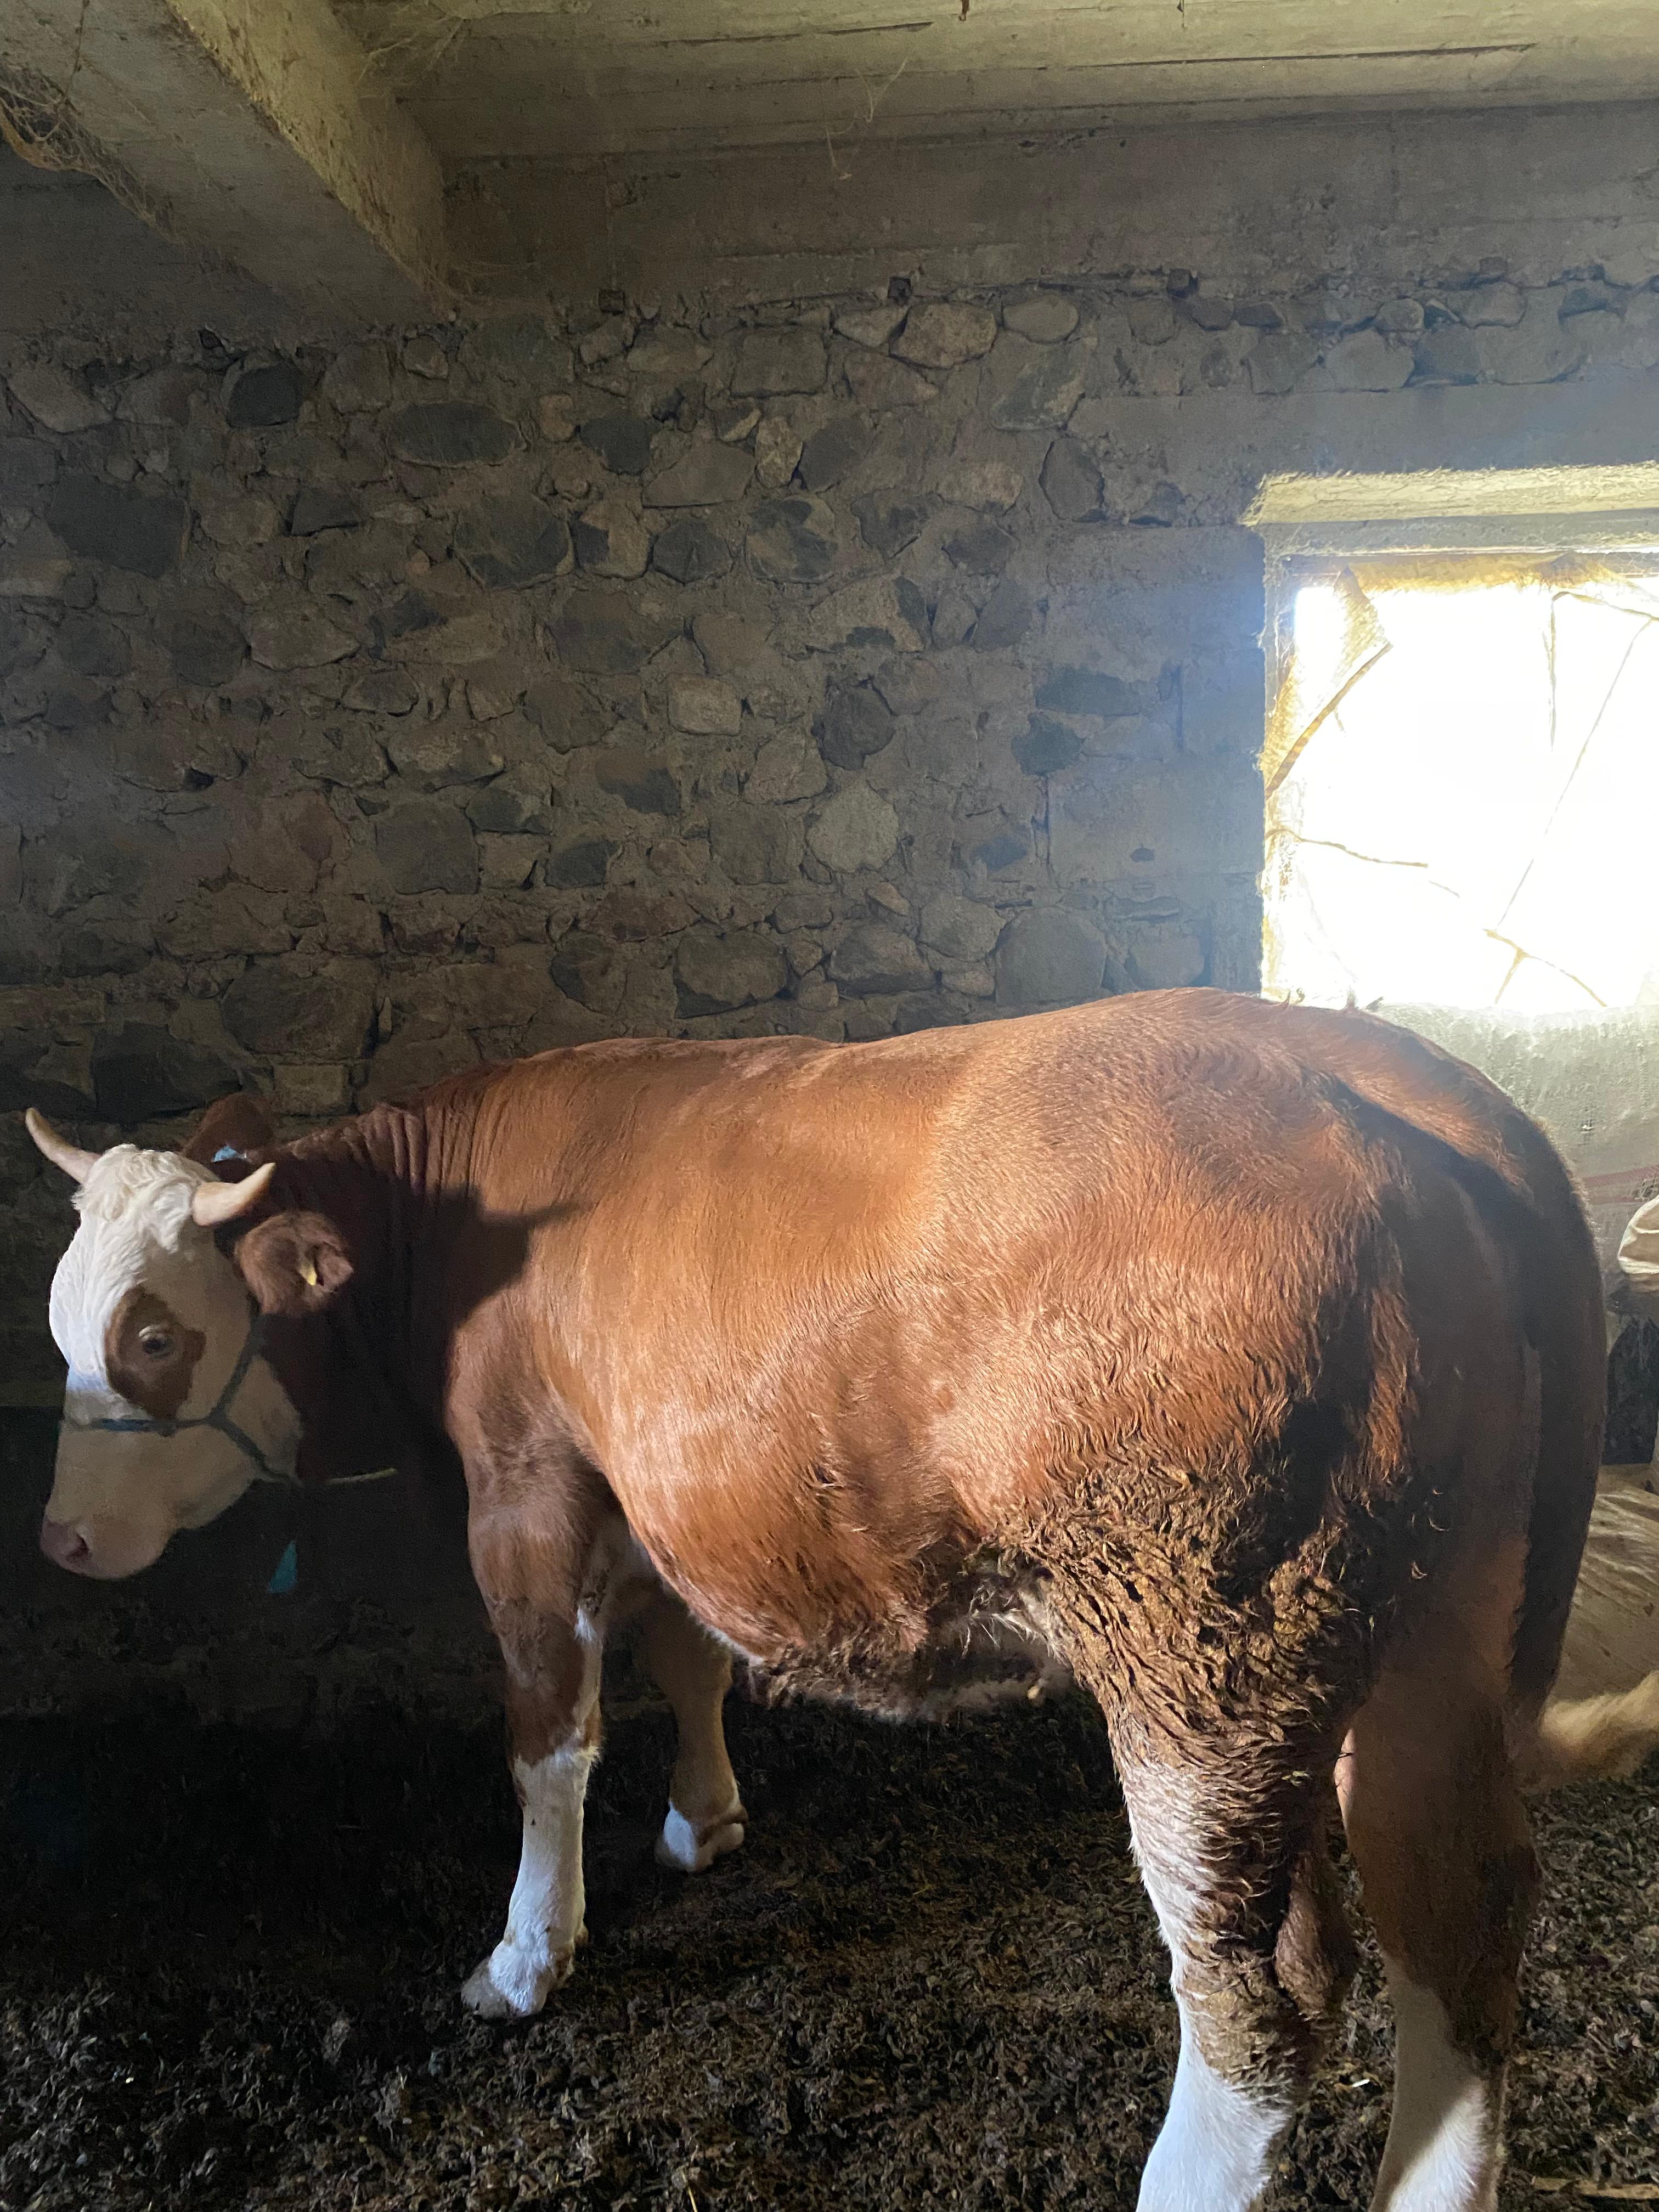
(395, 1182)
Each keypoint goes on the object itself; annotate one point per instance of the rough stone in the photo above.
(754, 844)
(57, 400)
(423, 357)
(1399, 318)
(382, 691)
(242, 522)
(622, 442)
(1153, 320)
(954, 617)
(450, 433)
(1050, 957)
(140, 1071)
(1088, 691)
(719, 969)
(984, 549)
(690, 551)
(777, 450)
(889, 522)
(1164, 959)
(869, 326)
(873, 959)
(340, 750)
(432, 755)
(1005, 619)
(1045, 746)
(581, 867)
(1367, 362)
(876, 380)
(1538, 349)
(882, 612)
(359, 380)
(522, 350)
(792, 541)
(704, 706)
(272, 1012)
(994, 486)
(513, 806)
(317, 509)
(855, 724)
(668, 354)
(294, 634)
(959, 929)
(1045, 318)
(1448, 354)
(788, 766)
(313, 1093)
(642, 783)
(772, 363)
(129, 528)
(944, 333)
(705, 477)
(612, 540)
(841, 446)
(238, 919)
(1494, 303)
(856, 830)
(265, 398)
(1033, 388)
(425, 845)
(609, 633)
(1072, 482)
(563, 712)
(1279, 360)
(92, 647)
(161, 399)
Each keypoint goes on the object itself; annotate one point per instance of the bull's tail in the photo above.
(1515, 1174)
(1580, 1739)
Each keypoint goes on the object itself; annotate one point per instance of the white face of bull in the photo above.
(155, 1324)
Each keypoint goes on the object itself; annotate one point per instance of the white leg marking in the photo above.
(1215, 2151)
(545, 1921)
(691, 1849)
(1443, 2150)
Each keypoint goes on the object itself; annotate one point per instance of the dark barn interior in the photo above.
(520, 526)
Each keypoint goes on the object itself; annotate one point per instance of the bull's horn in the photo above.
(215, 1203)
(73, 1161)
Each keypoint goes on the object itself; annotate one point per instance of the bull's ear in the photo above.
(294, 1263)
(240, 1123)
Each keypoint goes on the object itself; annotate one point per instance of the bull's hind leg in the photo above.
(1439, 1834)
(705, 1813)
(1232, 1851)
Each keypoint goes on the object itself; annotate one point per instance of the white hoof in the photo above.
(514, 1985)
(689, 1850)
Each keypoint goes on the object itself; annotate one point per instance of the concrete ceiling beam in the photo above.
(253, 131)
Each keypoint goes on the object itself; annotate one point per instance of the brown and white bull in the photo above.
(1241, 1364)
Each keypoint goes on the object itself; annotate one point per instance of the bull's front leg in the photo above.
(553, 1719)
(554, 1566)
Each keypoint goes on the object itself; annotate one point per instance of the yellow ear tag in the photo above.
(309, 1271)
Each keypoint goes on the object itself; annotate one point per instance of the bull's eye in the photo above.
(157, 1344)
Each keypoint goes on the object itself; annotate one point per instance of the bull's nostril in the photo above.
(61, 1544)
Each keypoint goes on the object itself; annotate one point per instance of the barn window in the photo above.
(1461, 762)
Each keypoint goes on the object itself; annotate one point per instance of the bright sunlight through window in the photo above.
(1463, 787)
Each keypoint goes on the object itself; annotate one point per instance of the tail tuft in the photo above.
(1582, 1739)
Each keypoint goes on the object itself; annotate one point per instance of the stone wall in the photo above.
(679, 666)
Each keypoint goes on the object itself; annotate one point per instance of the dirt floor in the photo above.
(230, 1969)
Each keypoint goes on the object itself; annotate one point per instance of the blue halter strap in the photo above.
(218, 1418)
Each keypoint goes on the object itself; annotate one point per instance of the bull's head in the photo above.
(171, 1408)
